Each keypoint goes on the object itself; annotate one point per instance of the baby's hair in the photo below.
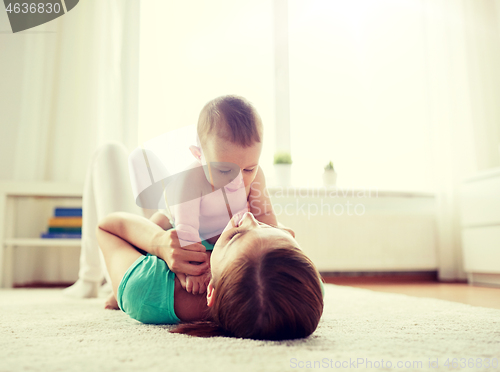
(273, 296)
(232, 118)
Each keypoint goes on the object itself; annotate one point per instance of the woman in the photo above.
(262, 285)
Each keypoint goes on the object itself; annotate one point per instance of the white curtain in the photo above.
(463, 59)
(67, 86)
(400, 95)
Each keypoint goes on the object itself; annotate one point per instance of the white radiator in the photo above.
(351, 230)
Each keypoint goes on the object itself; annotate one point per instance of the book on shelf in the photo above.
(67, 212)
(65, 230)
(65, 224)
(60, 236)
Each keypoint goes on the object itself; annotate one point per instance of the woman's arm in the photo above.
(120, 254)
(146, 235)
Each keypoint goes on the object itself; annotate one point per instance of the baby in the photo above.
(227, 180)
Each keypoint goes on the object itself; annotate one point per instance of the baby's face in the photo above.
(226, 159)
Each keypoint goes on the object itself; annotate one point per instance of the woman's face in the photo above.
(248, 236)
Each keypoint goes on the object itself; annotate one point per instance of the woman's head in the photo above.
(263, 286)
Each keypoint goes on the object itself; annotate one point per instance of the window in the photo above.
(358, 92)
(357, 81)
(194, 52)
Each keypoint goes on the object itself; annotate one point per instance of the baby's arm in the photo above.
(187, 234)
(187, 222)
(185, 208)
(259, 202)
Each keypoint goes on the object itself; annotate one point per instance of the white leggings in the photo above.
(107, 189)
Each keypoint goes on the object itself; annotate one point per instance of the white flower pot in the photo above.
(283, 173)
(329, 178)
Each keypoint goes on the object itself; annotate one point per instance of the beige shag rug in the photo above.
(40, 330)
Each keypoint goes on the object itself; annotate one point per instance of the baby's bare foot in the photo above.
(111, 303)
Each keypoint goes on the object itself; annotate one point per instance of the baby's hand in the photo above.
(289, 230)
(282, 227)
(197, 284)
(182, 279)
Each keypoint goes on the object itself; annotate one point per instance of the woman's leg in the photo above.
(107, 189)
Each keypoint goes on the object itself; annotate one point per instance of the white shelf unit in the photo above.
(31, 242)
(10, 193)
(480, 215)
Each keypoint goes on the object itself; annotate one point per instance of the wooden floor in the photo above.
(458, 292)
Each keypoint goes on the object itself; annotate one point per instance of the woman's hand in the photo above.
(177, 257)
(174, 258)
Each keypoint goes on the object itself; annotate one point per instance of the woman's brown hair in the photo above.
(273, 296)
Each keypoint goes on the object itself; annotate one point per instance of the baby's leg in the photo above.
(107, 189)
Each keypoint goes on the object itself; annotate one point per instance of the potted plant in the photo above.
(330, 176)
(282, 168)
